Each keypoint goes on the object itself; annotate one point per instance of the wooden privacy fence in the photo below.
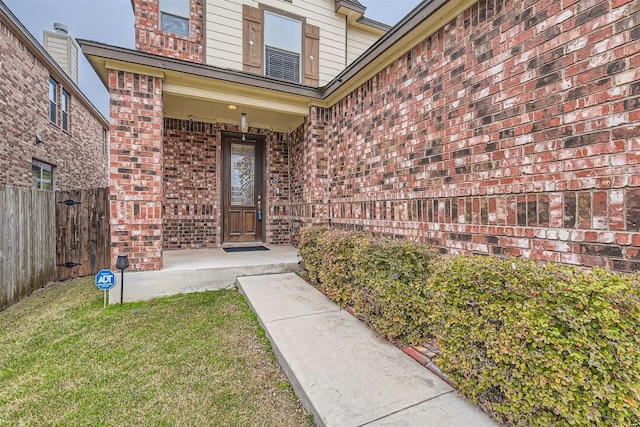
(82, 232)
(27, 242)
(47, 236)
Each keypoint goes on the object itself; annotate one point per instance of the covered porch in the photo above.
(195, 270)
(201, 158)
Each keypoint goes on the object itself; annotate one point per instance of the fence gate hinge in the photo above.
(69, 264)
(70, 202)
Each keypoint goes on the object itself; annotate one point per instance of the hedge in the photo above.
(533, 344)
(381, 279)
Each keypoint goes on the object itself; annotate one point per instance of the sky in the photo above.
(111, 22)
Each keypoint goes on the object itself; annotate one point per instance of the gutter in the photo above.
(115, 53)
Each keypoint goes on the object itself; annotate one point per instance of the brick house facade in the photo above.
(513, 130)
(494, 127)
(77, 154)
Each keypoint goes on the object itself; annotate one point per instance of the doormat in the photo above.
(246, 249)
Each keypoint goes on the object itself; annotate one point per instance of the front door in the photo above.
(242, 187)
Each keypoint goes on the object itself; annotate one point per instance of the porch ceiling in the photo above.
(208, 100)
(209, 110)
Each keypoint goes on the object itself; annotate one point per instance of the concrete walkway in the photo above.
(344, 374)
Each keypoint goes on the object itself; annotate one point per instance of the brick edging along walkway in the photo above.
(424, 354)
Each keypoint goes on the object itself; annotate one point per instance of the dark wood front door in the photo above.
(242, 187)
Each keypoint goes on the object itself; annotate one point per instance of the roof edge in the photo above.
(402, 29)
(353, 5)
(375, 24)
(102, 50)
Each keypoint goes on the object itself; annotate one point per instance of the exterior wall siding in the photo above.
(514, 130)
(357, 42)
(224, 34)
(24, 110)
(191, 209)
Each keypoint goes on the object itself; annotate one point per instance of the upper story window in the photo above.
(174, 16)
(42, 175)
(65, 109)
(282, 47)
(105, 142)
(53, 101)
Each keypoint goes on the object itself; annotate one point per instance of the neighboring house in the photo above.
(495, 126)
(51, 136)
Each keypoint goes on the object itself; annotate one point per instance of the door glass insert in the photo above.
(243, 172)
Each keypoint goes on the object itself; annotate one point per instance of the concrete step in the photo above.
(199, 270)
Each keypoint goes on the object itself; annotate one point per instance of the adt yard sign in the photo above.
(105, 280)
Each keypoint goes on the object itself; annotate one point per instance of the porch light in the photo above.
(244, 126)
(122, 263)
(243, 123)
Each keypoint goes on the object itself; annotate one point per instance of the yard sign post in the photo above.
(105, 279)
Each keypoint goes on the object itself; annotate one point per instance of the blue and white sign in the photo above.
(105, 279)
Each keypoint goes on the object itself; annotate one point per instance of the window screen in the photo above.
(282, 64)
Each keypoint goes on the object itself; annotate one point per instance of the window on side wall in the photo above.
(174, 16)
(53, 101)
(282, 47)
(105, 142)
(42, 175)
(65, 110)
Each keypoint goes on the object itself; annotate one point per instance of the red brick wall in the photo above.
(136, 168)
(24, 112)
(309, 162)
(277, 168)
(192, 192)
(150, 38)
(514, 130)
(191, 205)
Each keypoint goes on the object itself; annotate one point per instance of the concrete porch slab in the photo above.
(193, 270)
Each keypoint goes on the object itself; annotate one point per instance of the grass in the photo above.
(198, 359)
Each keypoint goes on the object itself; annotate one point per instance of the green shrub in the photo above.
(382, 279)
(540, 345)
(535, 345)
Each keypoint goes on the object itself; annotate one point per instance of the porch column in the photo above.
(136, 169)
(316, 159)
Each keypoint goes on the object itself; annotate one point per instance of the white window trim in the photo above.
(43, 166)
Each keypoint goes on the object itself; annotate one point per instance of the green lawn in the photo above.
(198, 359)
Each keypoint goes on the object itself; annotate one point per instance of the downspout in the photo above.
(346, 41)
